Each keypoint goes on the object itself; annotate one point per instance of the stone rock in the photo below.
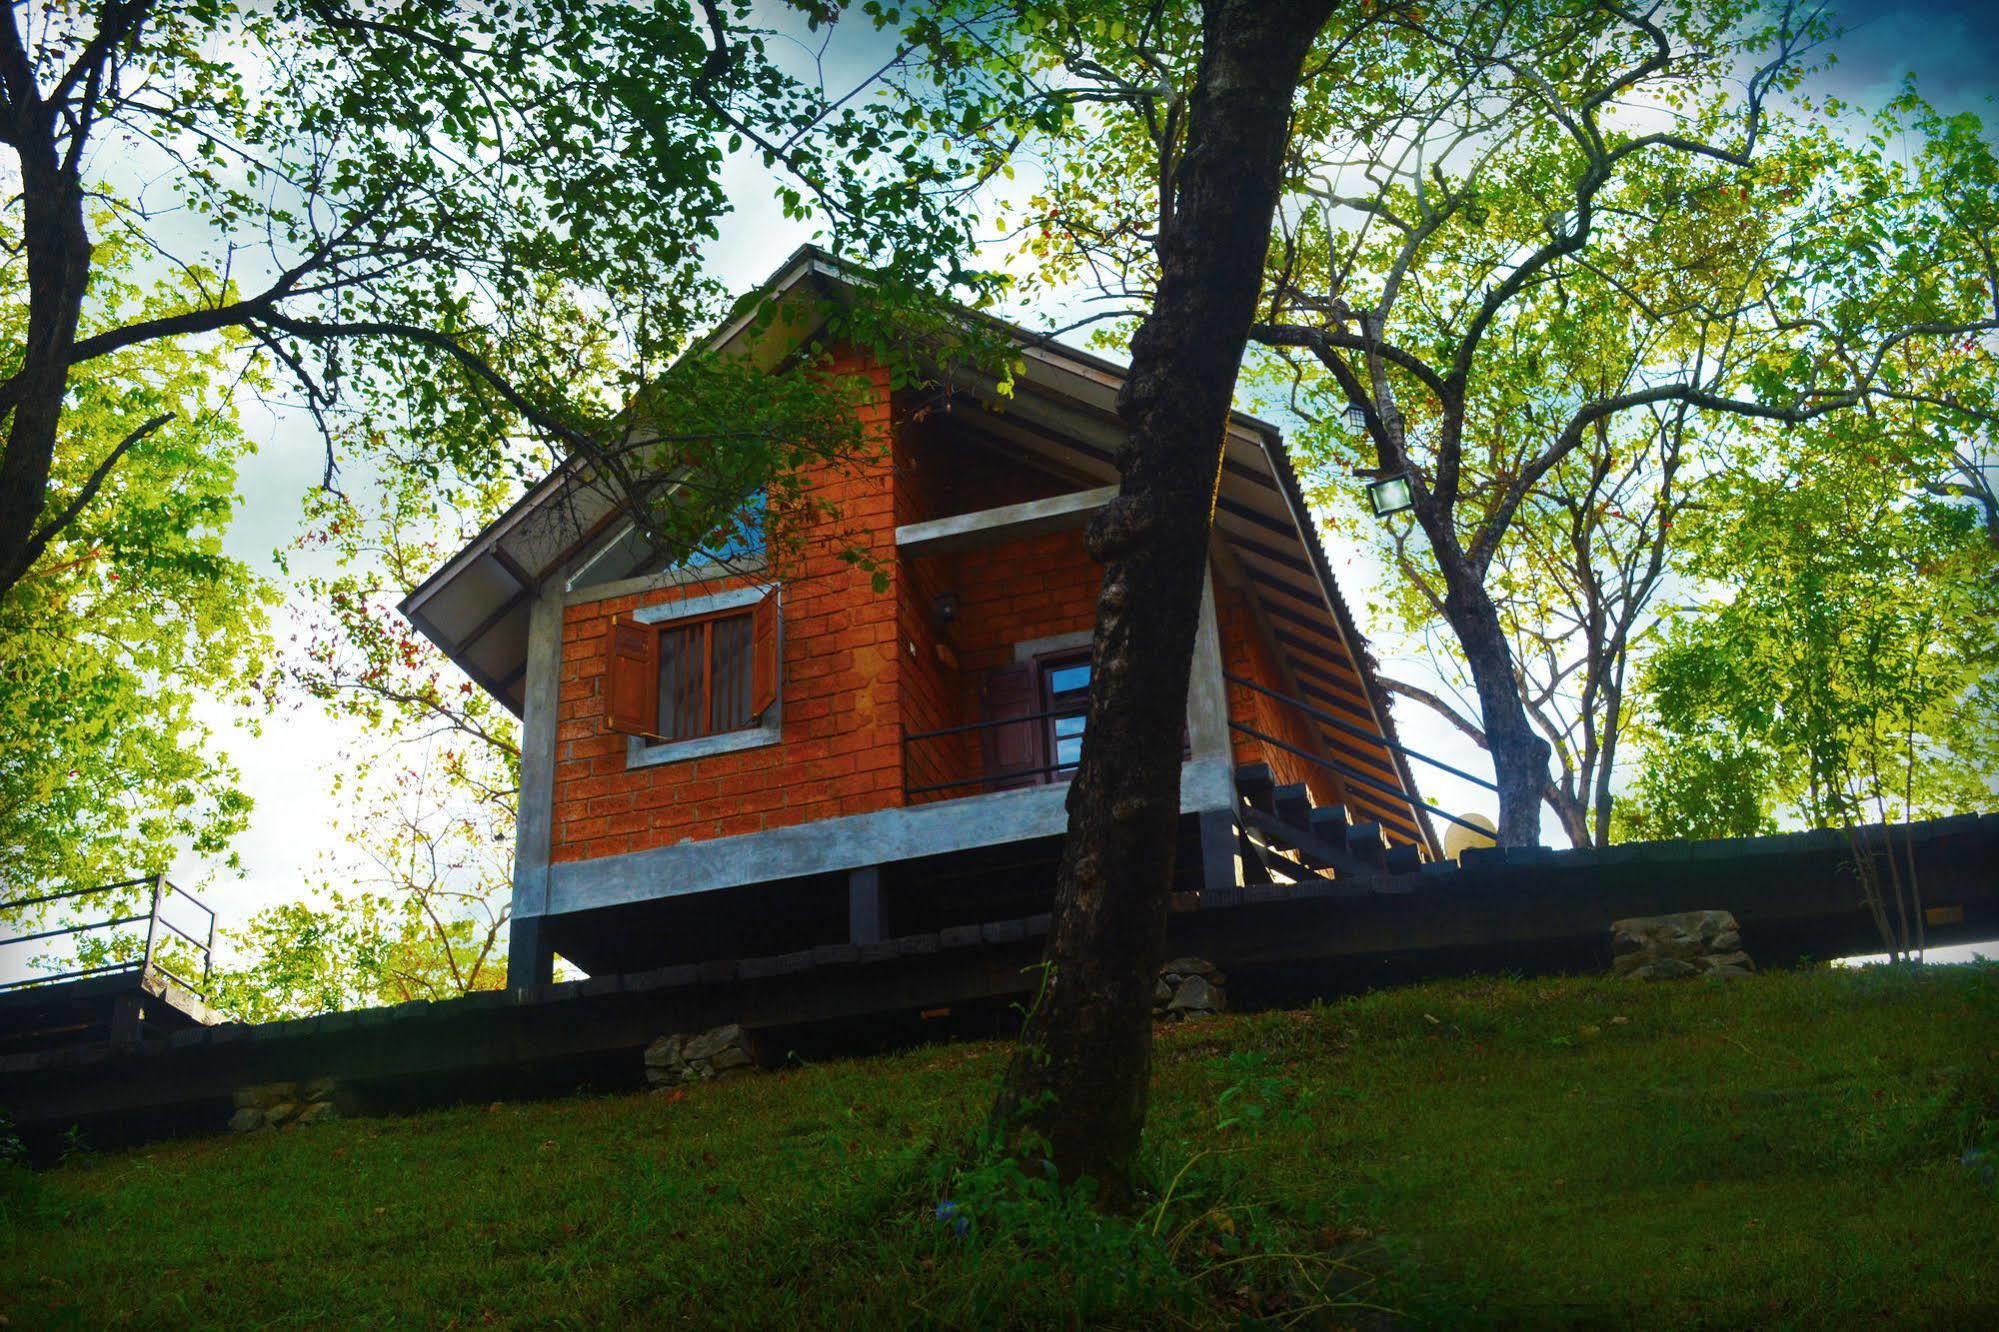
(1727, 973)
(1189, 966)
(282, 1113)
(710, 1043)
(722, 1052)
(1737, 960)
(1678, 946)
(264, 1094)
(1685, 947)
(247, 1119)
(318, 1112)
(318, 1089)
(1704, 925)
(1162, 993)
(1195, 995)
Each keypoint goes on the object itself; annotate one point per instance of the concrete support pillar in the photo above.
(1220, 881)
(864, 905)
(128, 1017)
(530, 959)
(1207, 691)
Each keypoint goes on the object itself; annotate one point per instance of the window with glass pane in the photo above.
(704, 677)
(1065, 686)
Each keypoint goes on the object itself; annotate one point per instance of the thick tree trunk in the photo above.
(58, 255)
(1519, 756)
(1077, 1086)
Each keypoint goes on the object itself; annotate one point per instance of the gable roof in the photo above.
(1061, 416)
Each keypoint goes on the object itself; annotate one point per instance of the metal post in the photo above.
(152, 926)
(208, 956)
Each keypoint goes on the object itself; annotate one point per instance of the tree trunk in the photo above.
(1077, 1087)
(58, 254)
(1519, 756)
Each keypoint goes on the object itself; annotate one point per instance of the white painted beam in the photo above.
(1009, 522)
(851, 842)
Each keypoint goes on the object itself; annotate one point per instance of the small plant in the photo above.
(75, 1149)
(1260, 1094)
(1019, 1226)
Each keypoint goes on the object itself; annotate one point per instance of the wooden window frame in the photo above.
(705, 621)
(645, 746)
(1045, 665)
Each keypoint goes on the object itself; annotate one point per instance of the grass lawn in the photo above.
(1785, 1151)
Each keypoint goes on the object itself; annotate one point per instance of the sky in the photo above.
(289, 768)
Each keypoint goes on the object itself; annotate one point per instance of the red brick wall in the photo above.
(931, 684)
(841, 750)
(1244, 654)
(1007, 594)
(863, 669)
(944, 471)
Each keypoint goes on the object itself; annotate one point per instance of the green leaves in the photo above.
(134, 627)
(1842, 662)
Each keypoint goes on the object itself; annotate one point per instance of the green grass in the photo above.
(1779, 1152)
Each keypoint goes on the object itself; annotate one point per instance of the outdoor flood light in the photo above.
(1390, 494)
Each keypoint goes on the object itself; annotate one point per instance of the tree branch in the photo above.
(39, 542)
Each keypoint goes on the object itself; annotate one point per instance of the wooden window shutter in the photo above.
(1015, 749)
(634, 684)
(765, 668)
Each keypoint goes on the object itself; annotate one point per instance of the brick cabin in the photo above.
(718, 762)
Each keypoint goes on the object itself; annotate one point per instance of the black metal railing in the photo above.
(1349, 771)
(152, 959)
(1416, 805)
(999, 775)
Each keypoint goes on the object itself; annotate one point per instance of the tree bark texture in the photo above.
(1519, 756)
(58, 260)
(1077, 1087)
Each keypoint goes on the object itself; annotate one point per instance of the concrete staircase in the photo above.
(1284, 839)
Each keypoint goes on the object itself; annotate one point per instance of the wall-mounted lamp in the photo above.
(944, 606)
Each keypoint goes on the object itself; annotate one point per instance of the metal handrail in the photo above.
(992, 722)
(148, 960)
(1320, 714)
(1414, 802)
(78, 892)
(1352, 774)
(1010, 774)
